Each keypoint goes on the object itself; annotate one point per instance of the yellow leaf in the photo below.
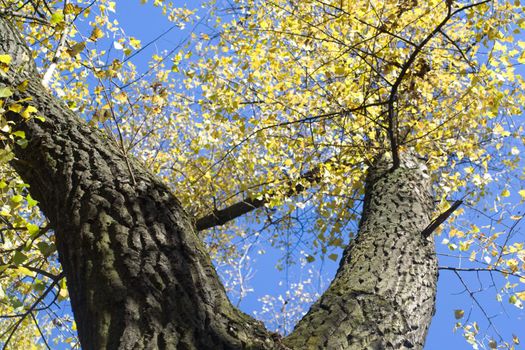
(26, 114)
(121, 97)
(17, 108)
(135, 43)
(72, 9)
(57, 17)
(5, 59)
(26, 271)
(96, 34)
(76, 49)
(499, 47)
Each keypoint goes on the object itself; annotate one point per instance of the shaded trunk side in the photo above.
(137, 274)
(383, 294)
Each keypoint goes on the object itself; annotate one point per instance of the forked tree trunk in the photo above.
(140, 278)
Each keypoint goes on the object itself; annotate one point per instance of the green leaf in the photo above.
(5, 156)
(57, 17)
(333, 257)
(20, 134)
(26, 271)
(32, 229)
(17, 198)
(46, 249)
(30, 201)
(19, 258)
(39, 286)
(22, 143)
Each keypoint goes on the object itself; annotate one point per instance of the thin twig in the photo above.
(52, 67)
(30, 310)
(489, 319)
(40, 331)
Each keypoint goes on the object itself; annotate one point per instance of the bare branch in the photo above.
(472, 295)
(52, 67)
(440, 219)
(40, 331)
(7, 12)
(30, 310)
(507, 238)
(479, 269)
(220, 217)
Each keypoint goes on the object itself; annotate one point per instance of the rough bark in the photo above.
(137, 274)
(139, 277)
(384, 291)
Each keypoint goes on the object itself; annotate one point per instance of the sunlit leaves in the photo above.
(57, 17)
(5, 92)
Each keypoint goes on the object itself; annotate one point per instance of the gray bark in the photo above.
(140, 278)
(137, 274)
(383, 294)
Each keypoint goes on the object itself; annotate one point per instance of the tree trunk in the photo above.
(137, 274)
(140, 278)
(384, 291)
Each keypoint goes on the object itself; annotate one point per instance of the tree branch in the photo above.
(30, 310)
(61, 43)
(220, 217)
(434, 224)
(392, 120)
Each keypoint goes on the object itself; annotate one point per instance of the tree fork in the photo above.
(139, 277)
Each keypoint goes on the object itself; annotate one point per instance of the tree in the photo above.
(392, 105)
